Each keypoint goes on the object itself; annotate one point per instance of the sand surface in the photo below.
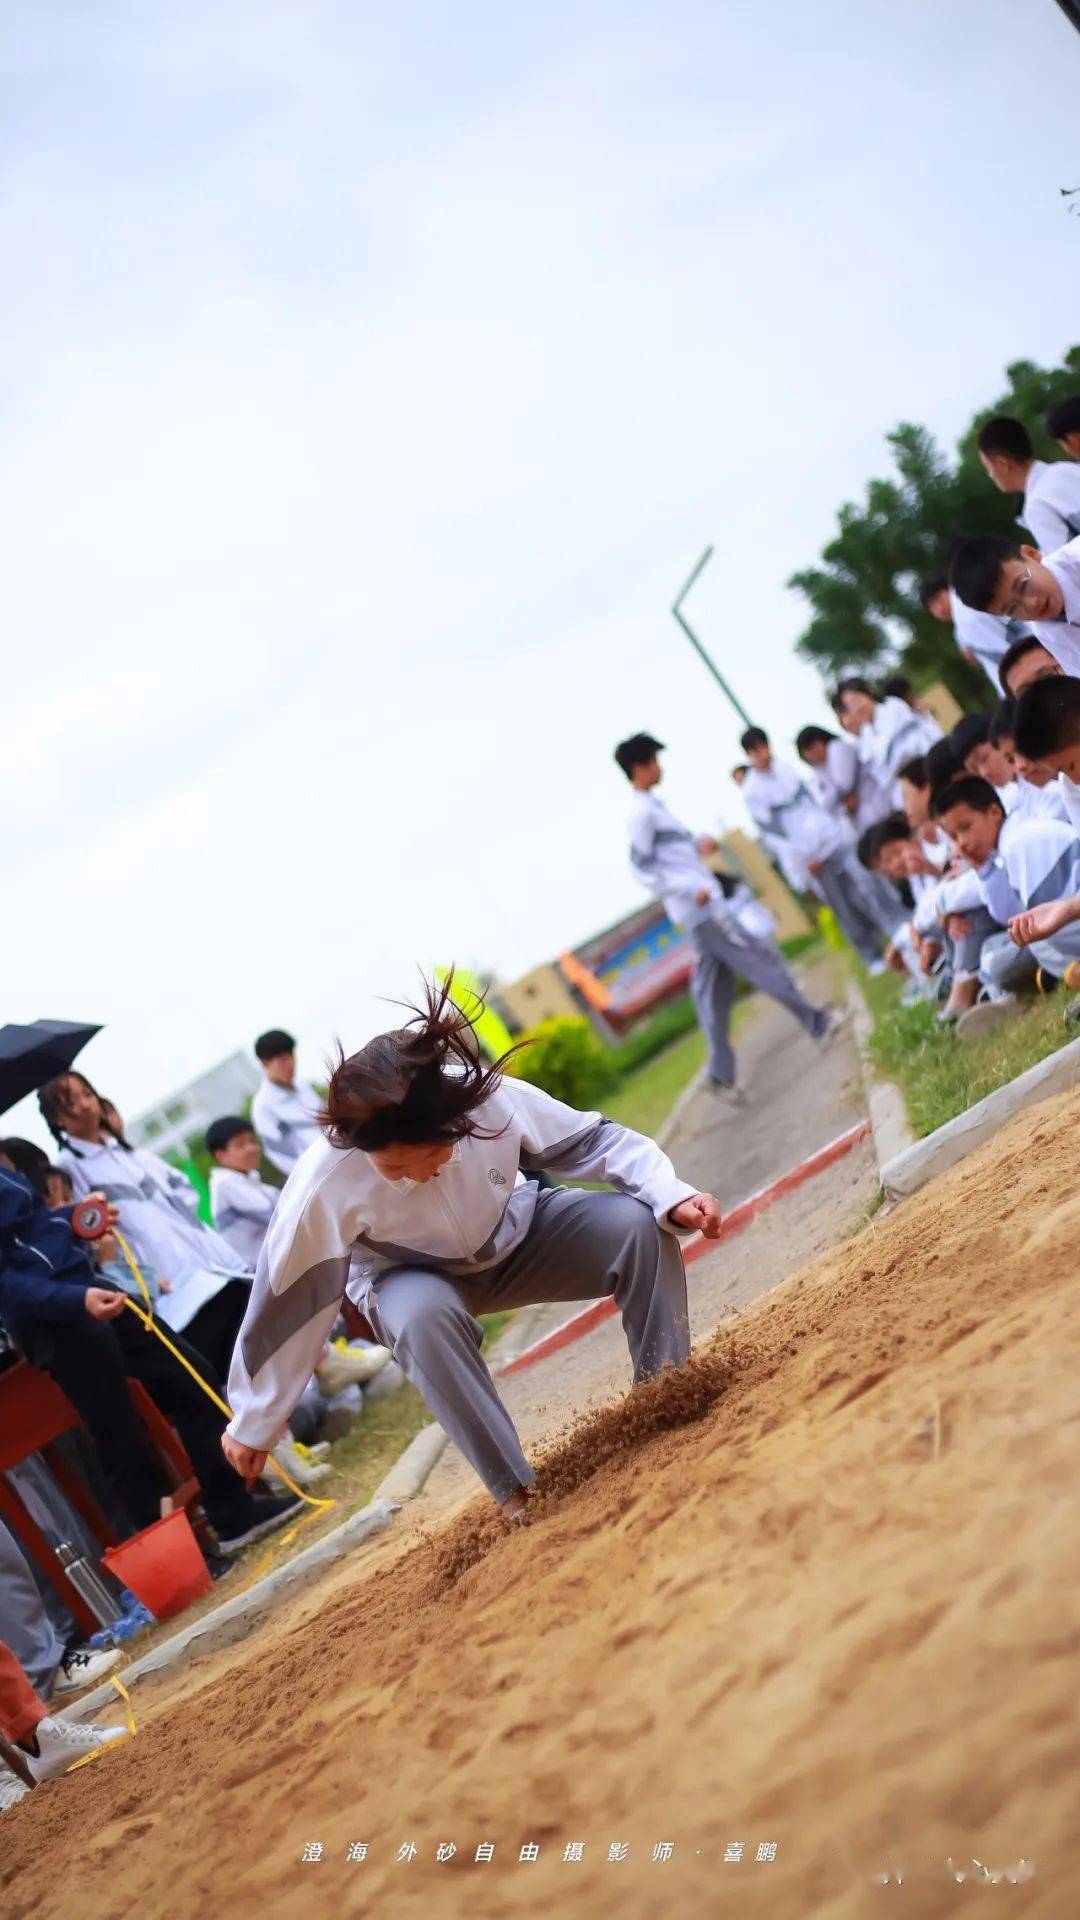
(817, 1590)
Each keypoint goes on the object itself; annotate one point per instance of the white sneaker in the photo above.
(304, 1472)
(57, 1744)
(732, 1096)
(836, 1019)
(347, 1366)
(11, 1789)
(82, 1666)
(875, 968)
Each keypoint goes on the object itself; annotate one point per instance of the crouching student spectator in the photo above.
(898, 687)
(949, 919)
(1023, 584)
(203, 1282)
(1022, 863)
(285, 1110)
(843, 783)
(983, 638)
(46, 1747)
(814, 849)
(1047, 734)
(1037, 790)
(65, 1321)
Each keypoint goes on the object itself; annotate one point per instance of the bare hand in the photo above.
(702, 896)
(1041, 922)
(105, 1249)
(701, 1211)
(851, 803)
(102, 1303)
(957, 925)
(248, 1462)
(707, 845)
(164, 1286)
(813, 867)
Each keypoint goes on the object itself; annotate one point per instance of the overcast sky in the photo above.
(374, 376)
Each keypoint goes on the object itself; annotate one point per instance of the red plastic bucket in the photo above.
(162, 1565)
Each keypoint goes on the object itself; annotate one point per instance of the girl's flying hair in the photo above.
(420, 1085)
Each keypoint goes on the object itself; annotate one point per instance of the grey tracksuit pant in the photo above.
(25, 1626)
(721, 954)
(866, 905)
(579, 1246)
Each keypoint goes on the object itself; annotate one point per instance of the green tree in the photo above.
(864, 595)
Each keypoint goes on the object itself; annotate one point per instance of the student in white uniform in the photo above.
(949, 912)
(241, 1203)
(1063, 424)
(983, 638)
(208, 1280)
(1013, 580)
(976, 754)
(887, 732)
(815, 850)
(422, 1173)
(284, 1111)
(1047, 730)
(1022, 864)
(843, 783)
(1037, 790)
(1051, 489)
(667, 859)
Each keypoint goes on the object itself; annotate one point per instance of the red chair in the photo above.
(34, 1412)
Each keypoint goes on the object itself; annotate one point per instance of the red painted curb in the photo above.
(733, 1223)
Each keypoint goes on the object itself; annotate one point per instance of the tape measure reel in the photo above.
(90, 1219)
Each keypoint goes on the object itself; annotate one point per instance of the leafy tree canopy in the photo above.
(864, 593)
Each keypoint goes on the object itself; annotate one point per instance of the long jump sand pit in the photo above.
(817, 1594)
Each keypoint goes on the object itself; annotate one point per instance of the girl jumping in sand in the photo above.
(419, 1183)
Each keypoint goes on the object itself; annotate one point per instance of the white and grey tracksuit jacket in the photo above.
(472, 1216)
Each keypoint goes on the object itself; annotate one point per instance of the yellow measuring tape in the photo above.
(151, 1325)
(131, 1728)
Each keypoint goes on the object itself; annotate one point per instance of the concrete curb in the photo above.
(907, 1172)
(889, 1123)
(235, 1618)
(411, 1468)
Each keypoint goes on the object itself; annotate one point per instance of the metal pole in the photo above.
(696, 643)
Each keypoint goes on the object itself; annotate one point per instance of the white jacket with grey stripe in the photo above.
(336, 1207)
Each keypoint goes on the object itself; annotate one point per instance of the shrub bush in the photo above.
(565, 1058)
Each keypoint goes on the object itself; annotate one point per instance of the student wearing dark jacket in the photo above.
(65, 1321)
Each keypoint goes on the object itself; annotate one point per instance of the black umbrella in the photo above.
(31, 1055)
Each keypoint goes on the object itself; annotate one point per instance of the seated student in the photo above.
(948, 915)
(1037, 790)
(284, 1110)
(974, 750)
(1063, 424)
(1051, 489)
(47, 1746)
(207, 1281)
(1022, 863)
(843, 783)
(1047, 732)
(1022, 583)
(814, 849)
(64, 1320)
(422, 1168)
(241, 1203)
(983, 638)
(886, 732)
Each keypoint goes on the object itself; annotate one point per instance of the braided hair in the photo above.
(51, 1104)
